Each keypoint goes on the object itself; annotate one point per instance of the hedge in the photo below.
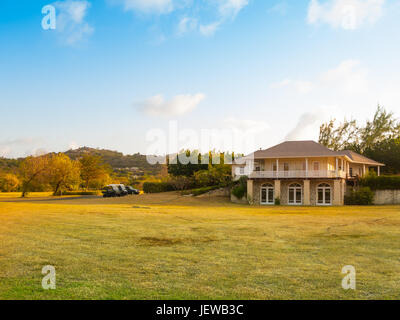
(81, 193)
(381, 183)
(362, 197)
(157, 187)
(239, 191)
(200, 191)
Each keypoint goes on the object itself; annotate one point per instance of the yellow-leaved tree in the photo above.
(94, 173)
(63, 173)
(32, 171)
(9, 182)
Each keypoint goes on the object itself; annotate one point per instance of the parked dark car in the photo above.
(124, 191)
(132, 190)
(111, 191)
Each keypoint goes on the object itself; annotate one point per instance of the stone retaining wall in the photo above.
(387, 197)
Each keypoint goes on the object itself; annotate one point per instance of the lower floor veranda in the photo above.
(308, 192)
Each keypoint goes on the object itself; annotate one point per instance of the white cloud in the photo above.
(71, 24)
(281, 8)
(209, 29)
(307, 125)
(230, 8)
(4, 151)
(343, 90)
(10, 148)
(149, 6)
(348, 77)
(301, 87)
(192, 12)
(73, 145)
(345, 14)
(245, 125)
(187, 25)
(177, 106)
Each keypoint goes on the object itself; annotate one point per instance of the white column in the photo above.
(364, 170)
(379, 171)
(337, 167)
(307, 167)
(277, 168)
(306, 196)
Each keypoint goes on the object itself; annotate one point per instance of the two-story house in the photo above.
(301, 173)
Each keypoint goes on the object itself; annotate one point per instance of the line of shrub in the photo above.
(157, 187)
(200, 191)
(381, 183)
(81, 193)
(362, 197)
(240, 190)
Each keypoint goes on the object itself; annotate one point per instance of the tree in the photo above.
(345, 136)
(177, 165)
(32, 170)
(387, 152)
(348, 135)
(9, 182)
(220, 174)
(379, 139)
(383, 127)
(63, 173)
(94, 173)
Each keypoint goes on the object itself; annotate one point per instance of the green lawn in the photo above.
(173, 247)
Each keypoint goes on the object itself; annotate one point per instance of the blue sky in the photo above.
(113, 70)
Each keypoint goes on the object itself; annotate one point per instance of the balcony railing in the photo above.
(297, 174)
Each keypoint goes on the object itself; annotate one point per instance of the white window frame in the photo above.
(295, 187)
(267, 187)
(324, 187)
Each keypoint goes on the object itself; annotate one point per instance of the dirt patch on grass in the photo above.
(166, 242)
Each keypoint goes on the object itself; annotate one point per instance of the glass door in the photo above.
(324, 195)
(295, 194)
(267, 194)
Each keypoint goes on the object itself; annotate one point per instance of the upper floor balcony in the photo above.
(294, 174)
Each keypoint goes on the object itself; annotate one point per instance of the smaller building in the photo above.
(301, 173)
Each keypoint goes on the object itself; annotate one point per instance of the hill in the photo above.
(136, 163)
(118, 161)
(9, 165)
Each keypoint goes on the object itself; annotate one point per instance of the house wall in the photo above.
(237, 200)
(285, 189)
(358, 169)
(298, 164)
(254, 190)
(326, 163)
(314, 189)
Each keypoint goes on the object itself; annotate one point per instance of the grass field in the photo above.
(30, 195)
(172, 247)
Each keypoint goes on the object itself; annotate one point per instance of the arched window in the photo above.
(324, 194)
(295, 194)
(267, 194)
